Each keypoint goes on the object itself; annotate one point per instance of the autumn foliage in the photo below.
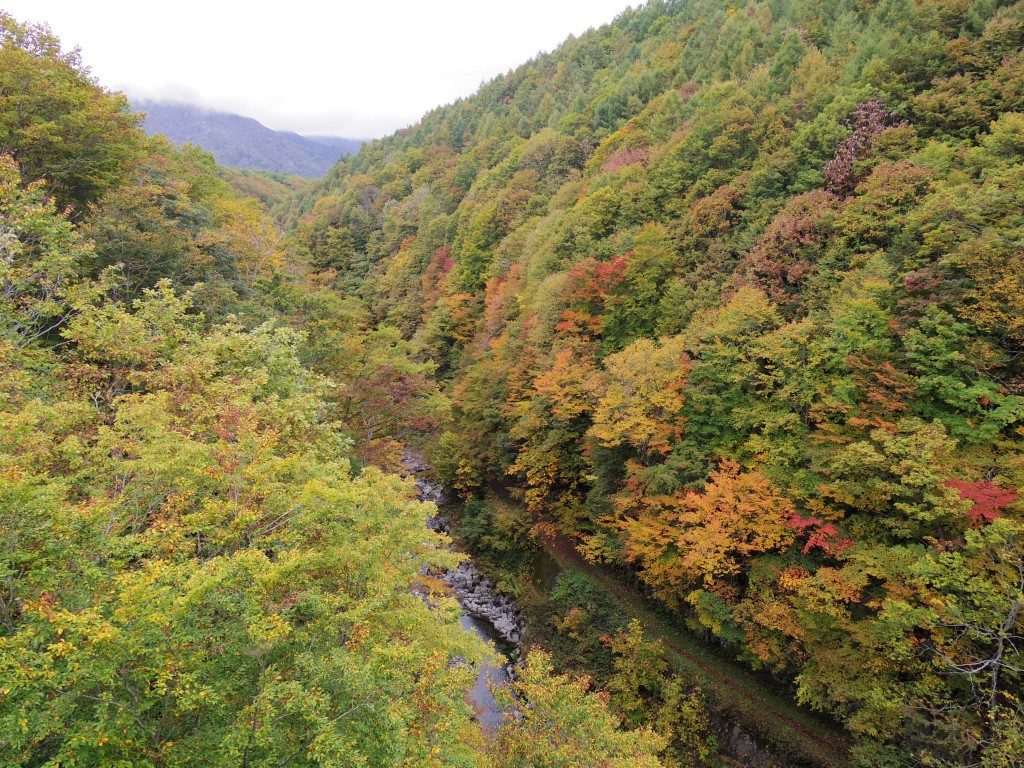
(692, 539)
(734, 305)
(987, 499)
(729, 296)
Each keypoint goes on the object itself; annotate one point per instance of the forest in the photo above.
(721, 305)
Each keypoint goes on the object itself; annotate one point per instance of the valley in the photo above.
(658, 405)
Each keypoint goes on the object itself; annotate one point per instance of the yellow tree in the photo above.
(566, 726)
(689, 539)
(248, 234)
(549, 426)
(641, 402)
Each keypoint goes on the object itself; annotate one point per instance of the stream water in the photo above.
(487, 613)
(493, 617)
(487, 675)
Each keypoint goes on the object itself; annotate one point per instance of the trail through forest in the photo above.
(772, 718)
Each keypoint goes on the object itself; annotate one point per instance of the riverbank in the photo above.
(756, 725)
(571, 606)
(486, 612)
(755, 721)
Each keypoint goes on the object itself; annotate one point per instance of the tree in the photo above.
(977, 637)
(647, 693)
(381, 393)
(632, 313)
(785, 257)
(988, 500)
(549, 428)
(896, 480)
(43, 262)
(641, 401)
(690, 540)
(981, 627)
(177, 219)
(869, 120)
(200, 577)
(562, 725)
(57, 123)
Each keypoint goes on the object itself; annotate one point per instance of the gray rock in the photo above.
(478, 595)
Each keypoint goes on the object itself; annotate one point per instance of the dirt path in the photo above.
(769, 716)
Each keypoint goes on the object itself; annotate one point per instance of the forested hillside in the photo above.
(732, 295)
(197, 565)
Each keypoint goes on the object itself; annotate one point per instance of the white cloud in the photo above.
(347, 68)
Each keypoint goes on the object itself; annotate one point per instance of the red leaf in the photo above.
(987, 499)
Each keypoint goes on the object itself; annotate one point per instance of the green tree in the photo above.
(564, 726)
(58, 124)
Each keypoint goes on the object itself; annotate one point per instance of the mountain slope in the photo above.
(731, 294)
(242, 142)
(197, 567)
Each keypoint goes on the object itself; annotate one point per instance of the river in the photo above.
(495, 618)
(486, 612)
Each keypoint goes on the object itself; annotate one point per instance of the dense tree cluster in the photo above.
(731, 293)
(198, 564)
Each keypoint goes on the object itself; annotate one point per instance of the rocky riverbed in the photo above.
(480, 599)
(486, 612)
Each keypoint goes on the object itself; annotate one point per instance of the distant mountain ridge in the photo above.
(243, 142)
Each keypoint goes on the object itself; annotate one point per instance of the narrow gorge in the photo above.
(486, 612)
(702, 330)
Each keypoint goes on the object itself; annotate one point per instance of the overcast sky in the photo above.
(359, 69)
